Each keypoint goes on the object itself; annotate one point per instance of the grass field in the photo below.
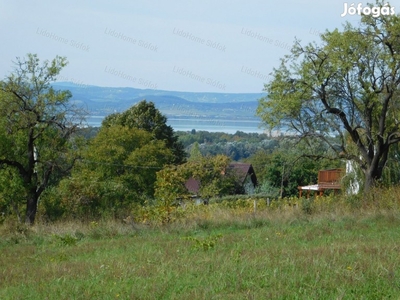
(217, 253)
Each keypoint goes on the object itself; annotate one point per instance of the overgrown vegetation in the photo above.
(334, 248)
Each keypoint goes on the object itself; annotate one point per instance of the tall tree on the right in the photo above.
(348, 87)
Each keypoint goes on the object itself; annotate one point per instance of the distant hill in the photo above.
(185, 110)
(102, 101)
(125, 93)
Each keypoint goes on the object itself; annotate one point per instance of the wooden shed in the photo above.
(327, 180)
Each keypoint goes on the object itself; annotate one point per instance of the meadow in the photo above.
(314, 249)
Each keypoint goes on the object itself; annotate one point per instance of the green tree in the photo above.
(36, 126)
(12, 192)
(348, 86)
(211, 171)
(144, 115)
(117, 170)
(195, 153)
(170, 187)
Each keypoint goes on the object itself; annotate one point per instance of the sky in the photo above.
(225, 46)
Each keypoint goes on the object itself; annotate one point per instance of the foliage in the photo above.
(210, 172)
(205, 137)
(348, 86)
(144, 115)
(12, 193)
(37, 124)
(391, 173)
(169, 187)
(88, 132)
(237, 146)
(289, 167)
(267, 188)
(158, 214)
(195, 153)
(66, 240)
(117, 170)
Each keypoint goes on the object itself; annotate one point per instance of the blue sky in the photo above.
(198, 46)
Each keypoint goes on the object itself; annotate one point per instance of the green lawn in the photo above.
(281, 256)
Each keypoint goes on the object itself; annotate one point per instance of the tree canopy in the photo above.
(347, 87)
(36, 126)
(116, 172)
(211, 172)
(144, 115)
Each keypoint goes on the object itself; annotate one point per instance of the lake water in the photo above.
(210, 125)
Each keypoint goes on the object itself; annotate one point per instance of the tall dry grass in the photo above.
(243, 212)
(323, 248)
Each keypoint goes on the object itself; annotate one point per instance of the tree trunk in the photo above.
(372, 175)
(375, 170)
(31, 208)
(369, 182)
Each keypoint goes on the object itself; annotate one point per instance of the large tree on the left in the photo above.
(37, 124)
